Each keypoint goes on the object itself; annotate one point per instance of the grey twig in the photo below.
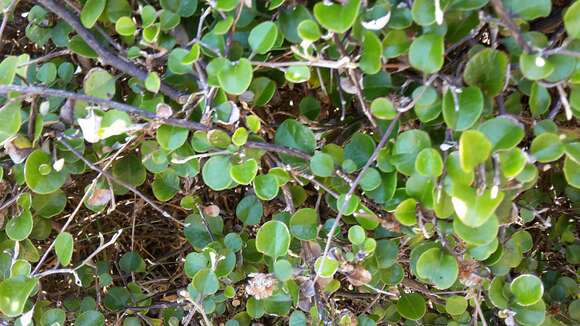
(106, 55)
(60, 138)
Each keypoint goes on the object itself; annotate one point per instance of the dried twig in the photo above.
(106, 55)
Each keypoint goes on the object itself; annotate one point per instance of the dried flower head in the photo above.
(261, 286)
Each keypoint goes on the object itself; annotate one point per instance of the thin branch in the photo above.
(79, 205)
(6, 13)
(354, 79)
(565, 103)
(60, 138)
(106, 55)
(505, 18)
(343, 63)
(352, 189)
(191, 125)
(44, 58)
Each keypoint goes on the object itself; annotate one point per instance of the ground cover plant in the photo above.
(287, 162)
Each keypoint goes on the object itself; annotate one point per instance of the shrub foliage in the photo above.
(343, 162)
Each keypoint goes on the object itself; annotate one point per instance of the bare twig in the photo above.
(109, 176)
(343, 63)
(6, 13)
(44, 58)
(191, 125)
(106, 55)
(564, 101)
(505, 18)
(352, 189)
(79, 205)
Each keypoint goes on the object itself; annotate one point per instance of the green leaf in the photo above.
(99, 83)
(533, 315)
(297, 74)
(426, 53)
(165, 185)
(263, 89)
(90, 318)
(534, 67)
(289, 20)
(329, 266)
(406, 149)
(359, 149)
(171, 137)
(395, 44)
(304, 224)
(250, 210)
(273, 230)
(524, 240)
(132, 262)
(235, 78)
(322, 164)
(214, 173)
(350, 207)
(463, 114)
(283, 270)
(8, 70)
(77, 45)
(547, 147)
(572, 172)
(152, 82)
(263, 37)
(266, 186)
(479, 236)
(244, 173)
(222, 26)
(370, 180)
(455, 305)
(540, 100)
(472, 209)
(53, 317)
(503, 132)
(429, 163)
(205, 282)
(49, 205)
(193, 55)
(512, 162)
(438, 267)
(370, 60)
(474, 149)
(63, 247)
(130, 170)
(11, 120)
(386, 253)
(194, 262)
(19, 227)
(293, 134)
(336, 17)
(40, 175)
(572, 20)
(406, 212)
(308, 30)
(356, 235)
(477, 72)
(527, 289)
(14, 292)
(423, 12)
(125, 26)
(411, 306)
(91, 12)
(178, 61)
(529, 10)
(226, 5)
(383, 108)
(47, 73)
